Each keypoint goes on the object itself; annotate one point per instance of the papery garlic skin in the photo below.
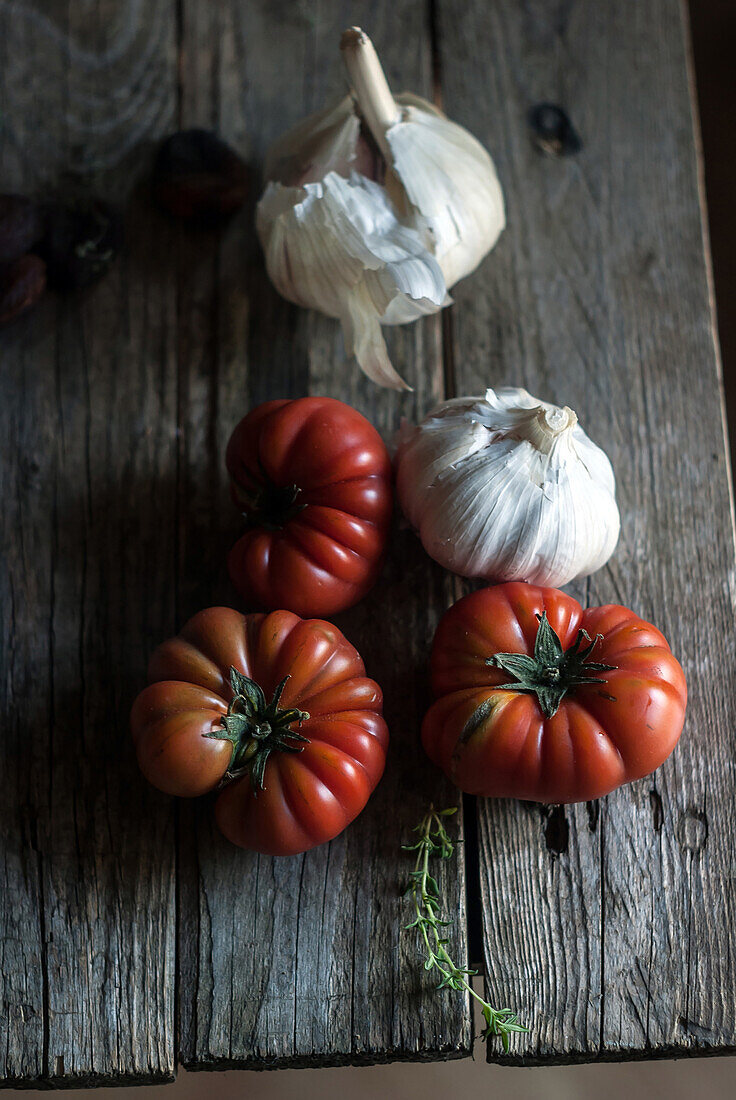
(508, 487)
(406, 214)
(337, 246)
(323, 142)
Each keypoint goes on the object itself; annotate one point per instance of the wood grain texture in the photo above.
(607, 926)
(610, 927)
(87, 921)
(300, 961)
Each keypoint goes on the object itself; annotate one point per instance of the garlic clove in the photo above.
(507, 487)
(449, 177)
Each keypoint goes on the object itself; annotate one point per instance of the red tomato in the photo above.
(313, 479)
(276, 707)
(550, 715)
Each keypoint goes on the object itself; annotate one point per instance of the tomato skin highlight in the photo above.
(602, 735)
(309, 795)
(313, 478)
(170, 722)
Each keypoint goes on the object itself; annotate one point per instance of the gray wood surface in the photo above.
(89, 403)
(123, 914)
(302, 961)
(118, 403)
(611, 927)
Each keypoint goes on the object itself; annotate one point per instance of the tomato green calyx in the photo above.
(552, 672)
(257, 728)
(271, 506)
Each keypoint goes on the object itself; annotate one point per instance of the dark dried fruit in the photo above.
(20, 226)
(81, 241)
(552, 131)
(196, 175)
(22, 283)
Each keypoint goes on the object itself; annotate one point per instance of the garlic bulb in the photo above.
(507, 487)
(374, 208)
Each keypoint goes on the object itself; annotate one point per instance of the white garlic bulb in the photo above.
(507, 487)
(374, 208)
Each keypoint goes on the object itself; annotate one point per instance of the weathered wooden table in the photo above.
(133, 936)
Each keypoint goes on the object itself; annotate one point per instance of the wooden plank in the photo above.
(89, 406)
(618, 943)
(301, 961)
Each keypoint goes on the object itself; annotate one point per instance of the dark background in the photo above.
(714, 40)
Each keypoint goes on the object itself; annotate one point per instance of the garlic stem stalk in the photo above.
(547, 425)
(377, 106)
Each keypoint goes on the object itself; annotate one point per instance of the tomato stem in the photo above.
(257, 728)
(269, 505)
(552, 672)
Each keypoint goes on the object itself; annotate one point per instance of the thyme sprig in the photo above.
(425, 894)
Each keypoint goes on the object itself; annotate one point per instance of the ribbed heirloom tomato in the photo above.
(276, 707)
(540, 700)
(313, 479)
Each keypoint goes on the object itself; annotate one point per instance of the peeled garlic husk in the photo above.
(336, 246)
(374, 207)
(508, 487)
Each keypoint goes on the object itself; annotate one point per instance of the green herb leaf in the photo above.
(425, 893)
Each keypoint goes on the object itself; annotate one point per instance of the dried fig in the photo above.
(22, 283)
(552, 131)
(81, 241)
(21, 226)
(197, 175)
